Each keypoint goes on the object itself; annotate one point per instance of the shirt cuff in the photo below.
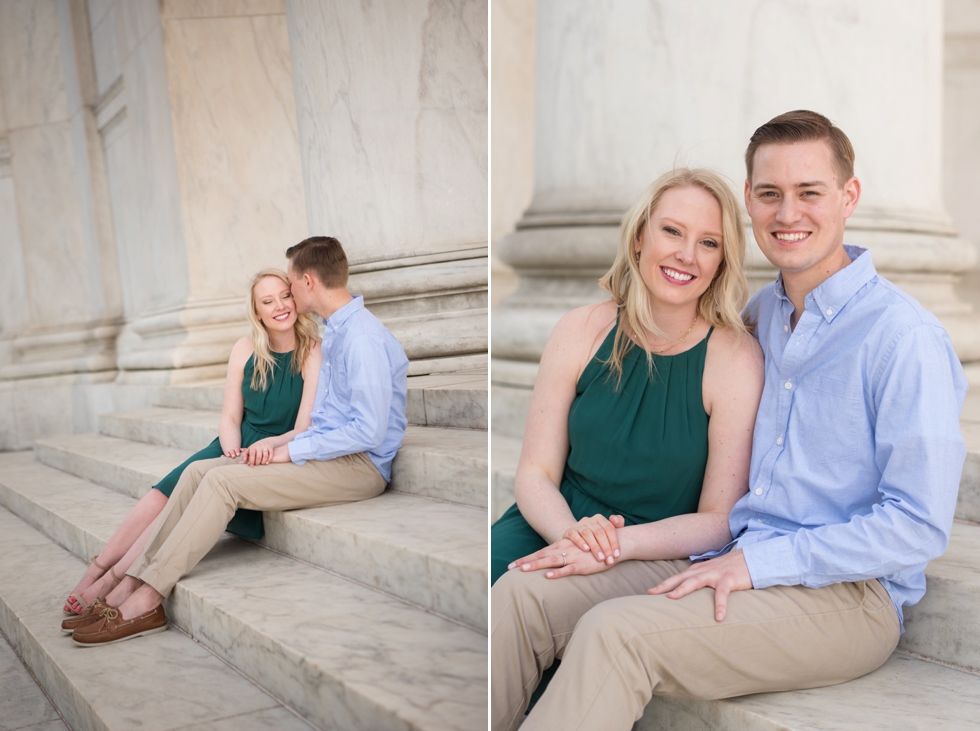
(772, 563)
(299, 451)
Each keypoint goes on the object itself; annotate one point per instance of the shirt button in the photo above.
(785, 328)
(779, 440)
(788, 384)
(758, 491)
(830, 312)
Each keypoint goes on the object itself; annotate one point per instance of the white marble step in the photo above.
(968, 504)
(23, 704)
(163, 682)
(945, 624)
(445, 399)
(505, 451)
(446, 464)
(431, 553)
(905, 693)
(341, 654)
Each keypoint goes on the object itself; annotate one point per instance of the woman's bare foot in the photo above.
(99, 588)
(76, 601)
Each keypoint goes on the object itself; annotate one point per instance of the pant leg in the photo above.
(181, 495)
(781, 638)
(533, 620)
(267, 487)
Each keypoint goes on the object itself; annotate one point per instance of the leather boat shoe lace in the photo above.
(89, 615)
(110, 627)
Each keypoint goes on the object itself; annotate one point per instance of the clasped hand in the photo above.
(587, 547)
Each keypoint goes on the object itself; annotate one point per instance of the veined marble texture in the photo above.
(31, 70)
(342, 655)
(220, 8)
(393, 132)
(904, 693)
(13, 314)
(105, 46)
(24, 705)
(45, 178)
(237, 147)
(152, 181)
(609, 135)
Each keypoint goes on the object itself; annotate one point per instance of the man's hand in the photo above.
(598, 535)
(279, 455)
(725, 574)
(259, 453)
(574, 561)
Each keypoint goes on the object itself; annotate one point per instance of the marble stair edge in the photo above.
(436, 559)
(85, 689)
(448, 399)
(305, 633)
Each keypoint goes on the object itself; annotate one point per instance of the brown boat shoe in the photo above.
(111, 627)
(90, 614)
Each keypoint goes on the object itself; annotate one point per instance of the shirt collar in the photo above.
(337, 319)
(832, 294)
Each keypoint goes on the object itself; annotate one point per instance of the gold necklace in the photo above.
(678, 341)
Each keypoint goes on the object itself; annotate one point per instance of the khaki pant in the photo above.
(210, 490)
(619, 646)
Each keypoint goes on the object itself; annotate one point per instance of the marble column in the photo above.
(197, 113)
(961, 127)
(626, 89)
(392, 114)
(63, 307)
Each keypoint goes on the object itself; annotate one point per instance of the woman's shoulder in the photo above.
(587, 323)
(241, 351)
(314, 357)
(736, 354)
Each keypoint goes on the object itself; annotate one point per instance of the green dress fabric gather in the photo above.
(268, 413)
(639, 451)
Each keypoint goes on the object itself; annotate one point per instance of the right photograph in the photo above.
(735, 464)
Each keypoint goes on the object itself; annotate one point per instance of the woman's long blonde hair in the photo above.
(720, 305)
(307, 333)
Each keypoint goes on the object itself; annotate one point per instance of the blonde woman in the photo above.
(639, 433)
(269, 394)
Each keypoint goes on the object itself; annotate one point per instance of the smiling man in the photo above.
(856, 461)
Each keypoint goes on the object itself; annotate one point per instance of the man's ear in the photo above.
(852, 195)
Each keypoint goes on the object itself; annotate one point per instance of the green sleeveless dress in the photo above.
(268, 413)
(639, 451)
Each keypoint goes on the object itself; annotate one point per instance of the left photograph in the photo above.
(243, 364)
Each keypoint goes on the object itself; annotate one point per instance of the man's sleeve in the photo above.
(919, 451)
(369, 378)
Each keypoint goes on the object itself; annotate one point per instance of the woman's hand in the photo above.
(232, 453)
(259, 453)
(562, 558)
(598, 536)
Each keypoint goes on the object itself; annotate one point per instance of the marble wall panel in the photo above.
(97, 10)
(153, 173)
(237, 147)
(13, 304)
(392, 112)
(31, 73)
(105, 48)
(607, 141)
(135, 21)
(50, 225)
(220, 8)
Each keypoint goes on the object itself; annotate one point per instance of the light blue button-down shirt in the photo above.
(360, 394)
(857, 451)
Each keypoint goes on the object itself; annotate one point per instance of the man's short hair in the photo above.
(322, 255)
(804, 126)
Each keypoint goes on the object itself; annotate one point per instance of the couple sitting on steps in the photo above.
(303, 424)
(647, 443)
